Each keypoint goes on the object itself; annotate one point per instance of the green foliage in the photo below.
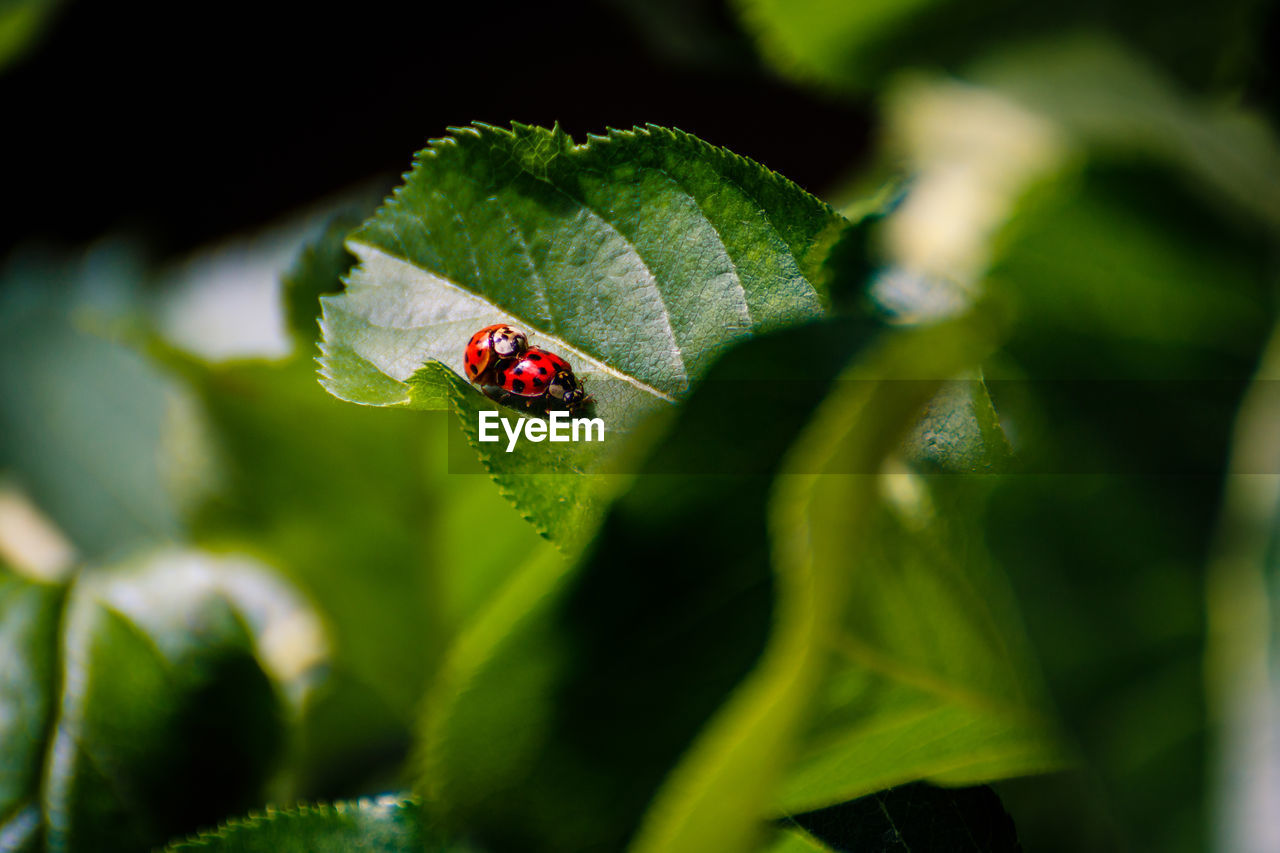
(83, 416)
(929, 497)
(674, 599)
(386, 825)
(959, 432)
(1243, 597)
(855, 47)
(560, 488)
(820, 520)
(1121, 246)
(283, 487)
(318, 271)
(666, 612)
(22, 22)
(1138, 255)
(1115, 106)
(640, 256)
(132, 678)
(931, 675)
(366, 532)
(29, 613)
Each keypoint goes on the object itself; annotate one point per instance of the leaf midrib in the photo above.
(540, 289)
(862, 654)
(361, 247)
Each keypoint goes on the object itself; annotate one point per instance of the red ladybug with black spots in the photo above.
(490, 349)
(543, 378)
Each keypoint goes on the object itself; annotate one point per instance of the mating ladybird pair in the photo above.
(499, 356)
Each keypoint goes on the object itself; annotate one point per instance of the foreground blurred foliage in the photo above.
(939, 495)
(162, 669)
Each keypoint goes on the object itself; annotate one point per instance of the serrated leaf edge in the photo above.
(717, 156)
(205, 838)
(366, 252)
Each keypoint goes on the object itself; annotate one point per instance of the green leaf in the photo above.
(855, 47)
(827, 530)
(358, 510)
(836, 44)
(163, 694)
(1114, 104)
(557, 487)
(29, 614)
(620, 661)
(644, 254)
(931, 675)
(83, 419)
(22, 23)
(793, 839)
(915, 818)
(1142, 311)
(640, 256)
(356, 506)
(335, 496)
(318, 270)
(959, 432)
(1243, 655)
(385, 825)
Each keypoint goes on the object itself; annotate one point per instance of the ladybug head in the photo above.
(507, 342)
(566, 390)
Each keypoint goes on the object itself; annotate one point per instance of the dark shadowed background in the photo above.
(258, 108)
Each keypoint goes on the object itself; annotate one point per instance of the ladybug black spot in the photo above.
(517, 385)
(518, 371)
(534, 356)
(474, 368)
(542, 370)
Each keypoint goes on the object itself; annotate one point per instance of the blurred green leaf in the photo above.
(1141, 312)
(821, 524)
(833, 43)
(959, 432)
(1243, 654)
(930, 674)
(1112, 104)
(84, 420)
(163, 693)
(22, 23)
(385, 825)
(340, 498)
(29, 615)
(855, 47)
(915, 818)
(620, 662)
(932, 643)
(318, 270)
(639, 255)
(353, 505)
(795, 840)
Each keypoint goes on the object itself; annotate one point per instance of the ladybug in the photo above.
(540, 376)
(489, 348)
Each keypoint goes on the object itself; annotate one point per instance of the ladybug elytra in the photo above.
(489, 348)
(542, 376)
